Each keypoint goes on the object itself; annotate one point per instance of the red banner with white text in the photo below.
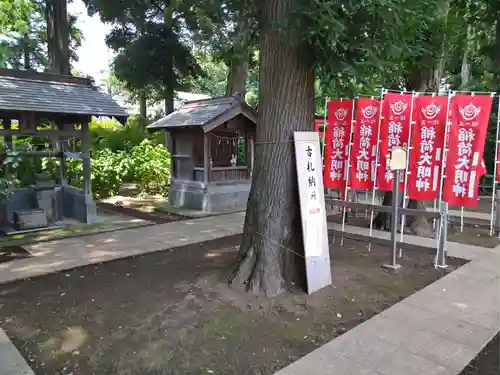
(338, 129)
(469, 117)
(364, 144)
(394, 131)
(427, 141)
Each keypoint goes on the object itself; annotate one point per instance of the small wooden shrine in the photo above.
(56, 110)
(212, 152)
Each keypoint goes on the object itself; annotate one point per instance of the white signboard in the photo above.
(313, 212)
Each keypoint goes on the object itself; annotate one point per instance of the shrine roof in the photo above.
(206, 113)
(22, 91)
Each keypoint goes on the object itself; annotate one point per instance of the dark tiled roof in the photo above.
(197, 113)
(30, 95)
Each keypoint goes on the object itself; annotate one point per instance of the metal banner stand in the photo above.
(440, 261)
(444, 155)
(375, 169)
(408, 172)
(495, 168)
(398, 163)
(347, 167)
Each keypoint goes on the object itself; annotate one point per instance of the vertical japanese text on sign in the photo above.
(364, 143)
(312, 215)
(394, 132)
(337, 143)
(312, 184)
(469, 117)
(427, 140)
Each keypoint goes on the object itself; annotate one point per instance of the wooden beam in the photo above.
(36, 153)
(40, 133)
(206, 160)
(47, 77)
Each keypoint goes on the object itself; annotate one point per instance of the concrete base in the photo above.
(67, 202)
(392, 267)
(214, 198)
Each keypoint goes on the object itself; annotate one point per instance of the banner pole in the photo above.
(325, 126)
(493, 193)
(445, 147)
(407, 172)
(461, 219)
(347, 167)
(375, 171)
(444, 155)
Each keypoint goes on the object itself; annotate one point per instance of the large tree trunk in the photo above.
(143, 105)
(169, 78)
(58, 36)
(271, 253)
(237, 77)
(26, 53)
(465, 71)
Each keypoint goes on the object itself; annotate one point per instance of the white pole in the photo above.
(492, 213)
(405, 190)
(444, 153)
(445, 147)
(347, 167)
(375, 171)
(325, 126)
(461, 219)
(366, 200)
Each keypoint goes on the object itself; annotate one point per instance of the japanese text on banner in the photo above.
(427, 142)
(394, 132)
(364, 143)
(469, 124)
(337, 143)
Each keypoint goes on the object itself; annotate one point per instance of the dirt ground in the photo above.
(474, 234)
(172, 312)
(10, 253)
(141, 210)
(487, 362)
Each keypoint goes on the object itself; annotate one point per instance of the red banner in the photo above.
(394, 131)
(469, 117)
(318, 126)
(338, 129)
(364, 143)
(497, 161)
(427, 140)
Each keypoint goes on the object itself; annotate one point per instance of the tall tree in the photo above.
(25, 42)
(350, 44)
(286, 105)
(58, 36)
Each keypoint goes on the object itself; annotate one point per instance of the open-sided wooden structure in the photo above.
(58, 108)
(212, 153)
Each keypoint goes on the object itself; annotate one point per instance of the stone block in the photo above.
(30, 219)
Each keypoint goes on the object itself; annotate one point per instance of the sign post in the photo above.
(313, 210)
(397, 163)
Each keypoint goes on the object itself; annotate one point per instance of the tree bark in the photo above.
(465, 71)
(26, 53)
(143, 105)
(58, 36)
(237, 77)
(271, 253)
